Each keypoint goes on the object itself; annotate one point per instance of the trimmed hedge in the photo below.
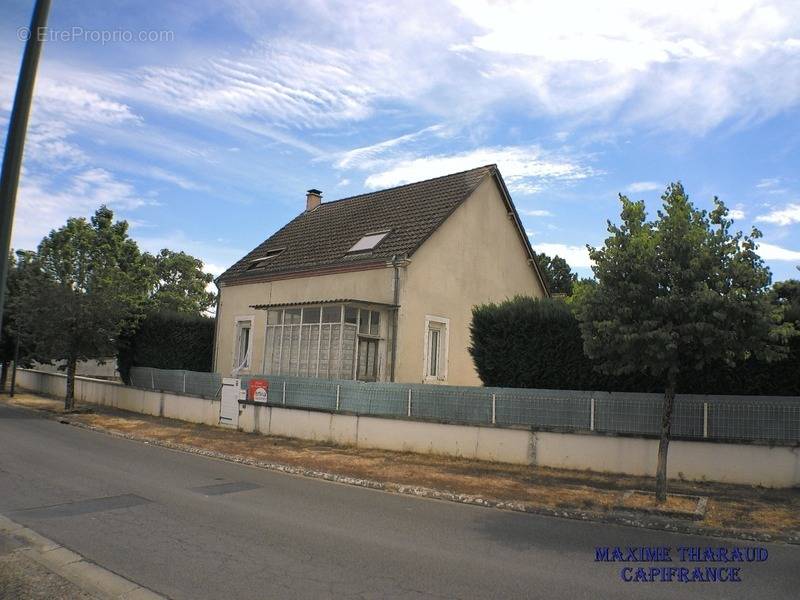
(168, 340)
(536, 343)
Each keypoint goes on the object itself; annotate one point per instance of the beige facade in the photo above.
(476, 255)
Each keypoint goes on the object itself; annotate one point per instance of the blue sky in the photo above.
(206, 139)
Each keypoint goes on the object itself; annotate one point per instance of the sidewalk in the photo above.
(22, 578)
(731, 511)
(33, 567)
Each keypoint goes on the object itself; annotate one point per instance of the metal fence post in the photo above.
(494, 409)
(705, 419)
(184, 382)
(284, 392)
(152, 380)
(591, 415)
(337, 396)
(409, 402)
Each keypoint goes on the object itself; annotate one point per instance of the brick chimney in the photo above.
(313, 199)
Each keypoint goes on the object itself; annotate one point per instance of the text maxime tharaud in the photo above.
(699, 564)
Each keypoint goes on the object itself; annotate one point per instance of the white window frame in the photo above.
(235, 362)
(443, 324)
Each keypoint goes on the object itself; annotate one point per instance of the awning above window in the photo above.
(310, 302)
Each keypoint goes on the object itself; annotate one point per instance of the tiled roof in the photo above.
(321, 238)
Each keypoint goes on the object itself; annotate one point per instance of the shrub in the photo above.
(536, 343)
(168, 340)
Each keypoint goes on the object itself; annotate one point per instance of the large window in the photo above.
(322, 341)
(436, 341)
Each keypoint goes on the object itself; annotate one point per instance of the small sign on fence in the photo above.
(258, 390)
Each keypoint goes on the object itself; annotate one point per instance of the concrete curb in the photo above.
(88, 576)
(621, 517)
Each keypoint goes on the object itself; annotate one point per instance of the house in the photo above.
(377, 287)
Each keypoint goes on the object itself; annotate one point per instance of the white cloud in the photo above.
(366, 156)
(576, 256)
(286, 81)
(772, 252)
(643, 62)
(737, 213)
(215, 270)
(768, 183)
(169, 177)
(524, 168)
(536, 212)
(44, 205)
(785, 216)
(643, 186)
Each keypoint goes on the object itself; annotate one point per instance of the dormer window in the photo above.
(368, 242)
(262, 261)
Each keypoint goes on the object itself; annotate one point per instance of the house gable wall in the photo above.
(475, 256)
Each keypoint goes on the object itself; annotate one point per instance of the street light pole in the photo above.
(15, 139)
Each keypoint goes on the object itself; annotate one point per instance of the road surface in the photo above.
(192, 527)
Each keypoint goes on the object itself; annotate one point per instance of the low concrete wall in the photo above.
(756, 464)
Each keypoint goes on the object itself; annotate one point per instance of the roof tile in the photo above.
(321, 238)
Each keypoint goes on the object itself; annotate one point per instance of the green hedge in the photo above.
(168, 340)
(536, 343)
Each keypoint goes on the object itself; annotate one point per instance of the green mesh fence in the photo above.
(774, 419)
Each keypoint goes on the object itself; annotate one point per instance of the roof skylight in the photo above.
(368, 242)
(262, 261)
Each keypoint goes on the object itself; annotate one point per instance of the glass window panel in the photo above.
(375, 318)
(294, 353)
(242, 357)
(305, 351)
(368, 242)
(363, 324)
(350, 315)
(334, 355)
(433, 353)
(348, 352)
(269, 348)
(332, 314)
(292, 316)
(274, 317)
(311, 315)
(286, 350)
(324, 350)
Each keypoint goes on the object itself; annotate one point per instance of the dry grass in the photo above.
(673, 504)
(747, 508)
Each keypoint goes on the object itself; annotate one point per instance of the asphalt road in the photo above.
(193, 527)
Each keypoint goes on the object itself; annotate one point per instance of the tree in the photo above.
(786, 296)
(677, 293)
(557, 273)
(13, 345)
(580, 289)
(180, 283)
(91, 285)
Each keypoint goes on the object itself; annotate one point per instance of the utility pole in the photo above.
(15, 139)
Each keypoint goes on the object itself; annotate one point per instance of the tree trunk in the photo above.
(4, 376)
(69, 399)
(663, 444)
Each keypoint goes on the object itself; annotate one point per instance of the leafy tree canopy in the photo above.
(179, 283)
(557, 273)
(786, 296)
(681, 291)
